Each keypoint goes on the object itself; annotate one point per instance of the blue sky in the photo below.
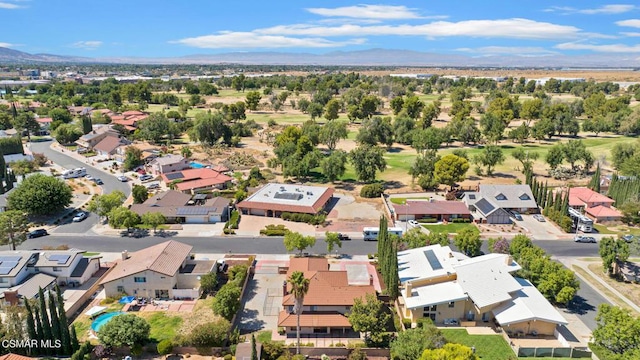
(163, 28)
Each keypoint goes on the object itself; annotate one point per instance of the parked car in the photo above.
(80, 216)
(539, 218)
(153, 185)
(37, 233)
(146, 177)
(123, 178)
(88, 177)
(517, 215)
(413, 223)
(98, 181)
(584, 239)
(343, 237)
(629, 238)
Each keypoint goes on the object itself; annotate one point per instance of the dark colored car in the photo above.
(98, 181)
(37, 233)
(343, 237)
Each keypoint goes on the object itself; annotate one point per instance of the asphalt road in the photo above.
(67, 162)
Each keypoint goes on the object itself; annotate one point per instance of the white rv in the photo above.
(74, 173)
(371, 233)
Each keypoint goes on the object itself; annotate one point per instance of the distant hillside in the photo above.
(372, 57)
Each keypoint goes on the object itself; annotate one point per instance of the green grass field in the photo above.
(448, 228)
(162, 325)
(492, 347)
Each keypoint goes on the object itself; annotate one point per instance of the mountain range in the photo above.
(372, 57)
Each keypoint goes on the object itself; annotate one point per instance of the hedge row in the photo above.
(559, 218)
(274, 230)
(371, 191)
(305, 218)
(460, 220)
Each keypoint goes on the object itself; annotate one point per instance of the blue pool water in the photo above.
(103, 319)
(196, 165)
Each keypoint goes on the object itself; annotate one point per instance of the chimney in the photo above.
(509, 260)
(408, 289)
(125, 255)
(284, 288)
(371, 280)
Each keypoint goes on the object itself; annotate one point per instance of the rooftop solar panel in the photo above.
(61, 259)
(288, 196)
(5, 270)
(433, 260)
(195, 210)
(9, 264)
(200, 197)
(10, 258)
(174, 176)
(484, 206)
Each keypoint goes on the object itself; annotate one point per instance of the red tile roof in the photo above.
(44, 120)
(313, 320)
(196, 178)
(579, 196)
(11, 356)
(603, 211)
(313, 209)
(432, 208)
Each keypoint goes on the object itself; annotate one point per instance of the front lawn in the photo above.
(492, 347)
(604, 230)
(401, 201)
(448, 228)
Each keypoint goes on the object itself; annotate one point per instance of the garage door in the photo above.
(196, 220)
(214, 219)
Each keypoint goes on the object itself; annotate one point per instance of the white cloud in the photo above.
(629, 23)
(631, 34)
(515, 28)
(605, 9)
(609, 48)
(237, 40)
(10, 6)
(364, 11)
(7, 45)
(508, 50)
(87, 45)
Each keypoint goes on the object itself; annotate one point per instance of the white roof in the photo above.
(95, 310)
(290, 194)
(434, 294)
(487, 279)
(413, 264)
(528, 304)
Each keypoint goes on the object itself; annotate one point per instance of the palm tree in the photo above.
(299, 288)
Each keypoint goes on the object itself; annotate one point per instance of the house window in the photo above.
(524, 197)
(501, 197)
(430, 312)
(140, 279)
(452, 304)
(56, 269)
(3, 280)
(120, 289)
(314, 308)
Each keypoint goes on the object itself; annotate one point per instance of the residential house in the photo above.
(494, 204)
(194, 180)
(129, 119)
(273, 199)
(162, 271)
(89, 140)
(326, 304)
(430, 209)
(45, 123)
(109, 145)
(17, 157)
(168, 163)
(11, 356)
(596, 206)
(452, 289)
(23, 272)
(179, 207)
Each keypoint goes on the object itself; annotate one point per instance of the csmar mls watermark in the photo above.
(31, 344)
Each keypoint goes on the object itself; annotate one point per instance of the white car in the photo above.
(413, 223)
(122, 178)
(80, 216)
(88, 177)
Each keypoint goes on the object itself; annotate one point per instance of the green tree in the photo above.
(490, 156)
(44, 316)
(154, 127)
(254, 351)
(525, 158)
(518, 244)
(415, 238)
(631, 211)
(209, 128)
(299, 288)
(103, 204)
(411, 343)
(67, 134)
(438, 238)
(616, 330)
(429, 114)
(40, 195)
(332, 239)
(555, 156)
(227, 300)
(450, 351)
(367, 160)
(121, 217)
(468, 241)
(369, 316)
(14, 227)
(296, 241)
(413, 106)
(132, 158)
(396, 104)
(153, 219)
(335, 165)
(423, 168)
(451, 169)
(56, 331)
(332, 132)
(376, 130)
(253, 100)
(332, 109)
(140, 194)
(210, 334)
(208, 282)
(87, 126)
(124, 330)
(613, 251)
(492, 127)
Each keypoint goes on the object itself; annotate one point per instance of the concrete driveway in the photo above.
(541, 230)
(262, 300)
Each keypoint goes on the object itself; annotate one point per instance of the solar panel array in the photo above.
(195, 210)
(59, 258)
(433, 260)
(288, 196)
(174, 176)
(7, 263)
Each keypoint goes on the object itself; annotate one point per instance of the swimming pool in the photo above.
(103, 319)
(196, 165)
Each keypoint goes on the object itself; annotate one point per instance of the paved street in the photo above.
(67, 162)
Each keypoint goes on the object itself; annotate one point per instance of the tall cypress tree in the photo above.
(31, 326)
(74, 339)
(46, 325)
(254, 351)
(549, 202)
(594, 184)
(393, 281)
(39, 330)
(64, 323)
(565, 204)
(56, 333)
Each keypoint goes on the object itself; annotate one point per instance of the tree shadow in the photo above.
(394, 150)
(249, 322)
(135, 233)
(579, 306)
(394, 184)
(164, 234)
